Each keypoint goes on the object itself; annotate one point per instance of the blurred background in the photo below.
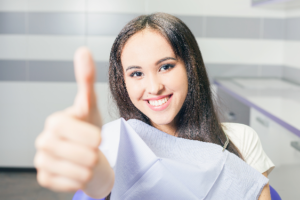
(251, 50)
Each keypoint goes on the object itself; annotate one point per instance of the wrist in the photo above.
(102, 180)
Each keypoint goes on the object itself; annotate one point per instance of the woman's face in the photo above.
(155, 79)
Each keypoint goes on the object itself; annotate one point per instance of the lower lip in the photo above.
(162, 107)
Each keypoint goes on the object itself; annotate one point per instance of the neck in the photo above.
(167, 128)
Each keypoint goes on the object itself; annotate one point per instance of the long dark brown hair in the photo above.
(197, 119)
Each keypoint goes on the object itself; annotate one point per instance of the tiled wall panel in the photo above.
(241, 51)
(293, 12)
(243, 70)
(117, 6)
(274, 28)
(240, 8)
(231, 70)
(195, 23)
(292, 74)
(230, 27)
(50, 47)
(13, 70)
(107, 23)
(293, 28)
(13, 104)
(292, 45)
(56, 5)
(12, 22)
(13, 5)
(271, 70)
(53, 71)
(13, 47)
(187, 7)
(57, 23)
(100, 46)
(46, 71)
(291, 53)
(237, 8)
(110, 24)
(14, 123)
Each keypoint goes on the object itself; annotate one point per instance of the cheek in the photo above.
(134, 90)
(178, 82)
(183, 83)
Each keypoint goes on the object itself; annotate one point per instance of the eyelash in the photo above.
(170, 66)
(134, 73)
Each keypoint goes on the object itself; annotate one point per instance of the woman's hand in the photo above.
(68, 158)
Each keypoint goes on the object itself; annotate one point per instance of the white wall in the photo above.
(292, 47)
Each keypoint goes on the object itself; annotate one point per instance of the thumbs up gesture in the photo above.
(68, 158)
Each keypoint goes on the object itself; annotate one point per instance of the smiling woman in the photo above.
(159, 82)
(157, 75)
(157, 56)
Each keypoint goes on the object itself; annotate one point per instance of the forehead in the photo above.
(145, 47)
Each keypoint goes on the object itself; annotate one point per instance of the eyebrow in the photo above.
(133, 67)
(157, 63)
(164, 59)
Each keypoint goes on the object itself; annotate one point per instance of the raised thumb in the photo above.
(85, 103)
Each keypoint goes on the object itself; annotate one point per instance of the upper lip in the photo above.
(157, 98)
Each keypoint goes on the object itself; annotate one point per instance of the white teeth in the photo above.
(159, 102)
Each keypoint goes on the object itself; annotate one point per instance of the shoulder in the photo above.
(241, 135)
(249, 145)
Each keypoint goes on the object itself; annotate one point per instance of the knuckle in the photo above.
(44, 183)
(42, 141)
(81, 186)
(39, 160)
(39, 142)
(47, 143)
(43, 179)
(93, 159)
(99, 137)
(96, 138)
(53, 121)
(36, 161)
(77, 186)
(71, 188)
(87, 175)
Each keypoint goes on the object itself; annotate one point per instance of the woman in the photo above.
(156, 75)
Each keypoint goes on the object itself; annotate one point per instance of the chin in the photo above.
(161, 120)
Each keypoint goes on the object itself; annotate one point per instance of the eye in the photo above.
(136, 74)
(166, 67)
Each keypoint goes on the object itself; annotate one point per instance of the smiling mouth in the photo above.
(159, 102)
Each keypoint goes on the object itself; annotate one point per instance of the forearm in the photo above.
(265, 193)
(102, 181)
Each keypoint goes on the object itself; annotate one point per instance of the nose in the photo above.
(154, 85)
